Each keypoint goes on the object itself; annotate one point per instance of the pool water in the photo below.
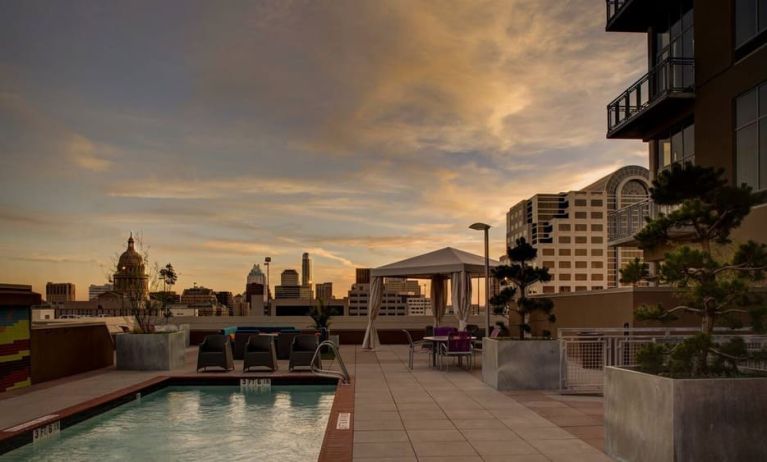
(286, 423)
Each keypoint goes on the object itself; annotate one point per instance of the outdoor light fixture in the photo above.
(485, 227)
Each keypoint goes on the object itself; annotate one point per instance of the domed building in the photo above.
(131, 278)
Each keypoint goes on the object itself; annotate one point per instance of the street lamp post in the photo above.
(486, 228)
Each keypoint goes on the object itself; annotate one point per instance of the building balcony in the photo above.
(624, 223)
(662, 95)
(629, 15)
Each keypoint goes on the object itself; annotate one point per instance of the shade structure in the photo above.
(437, 266)
(461, 292)
(374, 304)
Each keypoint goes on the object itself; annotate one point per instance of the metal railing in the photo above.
(671, 76)
(627, 221)
(614, 7)
(584, 353)
(343, 374)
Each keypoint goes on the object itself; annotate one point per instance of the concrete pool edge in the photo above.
(22, 434)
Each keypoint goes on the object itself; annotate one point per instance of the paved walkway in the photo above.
(430, 415)
(400, 415)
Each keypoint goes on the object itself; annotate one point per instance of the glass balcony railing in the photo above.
(614, 7)
(624, 223)
(673, 76)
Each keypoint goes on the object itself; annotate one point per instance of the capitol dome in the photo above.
(131, 261)
(131, 278)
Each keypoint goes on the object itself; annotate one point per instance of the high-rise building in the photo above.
(394, 300)
(362, 276)
(59, 292)
(256, 276)
(254, 297)
(324, 291)
(306, 270)
(131, 279)
(95, 290)
(570, 231)
(703, 99)
(289, 277)
(419, 306)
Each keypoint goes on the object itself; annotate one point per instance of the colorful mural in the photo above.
(15, 364)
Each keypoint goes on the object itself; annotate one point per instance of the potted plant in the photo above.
(508, 363)
(691, 400)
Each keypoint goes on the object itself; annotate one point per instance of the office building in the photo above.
(324, 291)
(419, 306)
(94, 290)
(306, 276)
(394, 300)
(362, 276)
(256, 276)
(570, 231)
(703, 99)
(59, 292)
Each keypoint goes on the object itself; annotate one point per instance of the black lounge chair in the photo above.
(215, 351)
(259, 352)
(302, 351)
(240, 339)
(284, 341)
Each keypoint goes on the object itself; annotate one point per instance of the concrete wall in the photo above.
(521, 364)
(150, 352)
(64, 350)
(652, 418)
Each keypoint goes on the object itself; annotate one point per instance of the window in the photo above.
(564, 277)
(581, 215)
(596, 202)
(564, 289)
(597, 227)
(751, 138)
(597, 239)
(564, 227)
(597, 215)
(580, 239)
(564, 252)
(581, 227)
(581, 277)
(597, 264)
(674, 34)
(596, 252)
(548, 289)
(564, 239)
(580, 264)
(581, 252)
(750, 20)
(580, 202)
(548, 264)
(548, 251)
(678, 147)
(597, 277)
(581, 288)
(564, 264)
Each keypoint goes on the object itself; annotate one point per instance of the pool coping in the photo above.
(336, 445)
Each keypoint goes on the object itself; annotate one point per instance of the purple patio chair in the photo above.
(459, 346)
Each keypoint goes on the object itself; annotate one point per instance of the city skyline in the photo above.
(293, 144)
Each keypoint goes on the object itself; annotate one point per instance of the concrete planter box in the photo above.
(151, 352)
(652, 418)
(520, 364)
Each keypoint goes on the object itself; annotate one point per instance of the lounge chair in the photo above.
(284, 340)
(215, 351)
(302, 351)
(418, 346)
(259, 352)
(458, 346)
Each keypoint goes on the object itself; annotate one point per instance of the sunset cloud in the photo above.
(360, 131)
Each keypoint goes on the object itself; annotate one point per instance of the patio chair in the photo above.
(418, 346)
(429, 331)
(459, 346)
(302, 351)
(240, 339)
(284, 340)
(259, 352)
(215, 351)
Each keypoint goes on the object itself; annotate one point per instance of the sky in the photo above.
(360, 131)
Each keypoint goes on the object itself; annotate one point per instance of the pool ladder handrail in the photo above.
(343, 374)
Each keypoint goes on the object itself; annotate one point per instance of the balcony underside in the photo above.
(634, 16)
(681, 234)
(656, 115)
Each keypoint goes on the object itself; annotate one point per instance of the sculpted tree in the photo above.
(704, 212)
(516, 280)
(634, 272)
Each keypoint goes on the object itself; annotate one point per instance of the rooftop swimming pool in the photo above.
(281, 423)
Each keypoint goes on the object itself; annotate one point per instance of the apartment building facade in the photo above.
(571, 231)
(704, 96)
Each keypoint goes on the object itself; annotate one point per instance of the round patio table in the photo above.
(436, 341)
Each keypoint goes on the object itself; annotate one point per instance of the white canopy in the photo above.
(438, 266)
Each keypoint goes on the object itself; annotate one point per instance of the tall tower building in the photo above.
(59, 292)
(306, 276)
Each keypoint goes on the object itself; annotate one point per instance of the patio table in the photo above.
(436, 341)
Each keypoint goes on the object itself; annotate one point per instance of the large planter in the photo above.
(520, 364)
(151, 352)
(653, 418)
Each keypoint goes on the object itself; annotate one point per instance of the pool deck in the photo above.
(397, 414)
